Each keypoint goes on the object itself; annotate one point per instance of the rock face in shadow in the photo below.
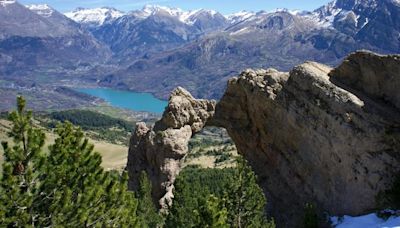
(315, 135)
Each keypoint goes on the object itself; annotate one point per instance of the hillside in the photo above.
(114, 156)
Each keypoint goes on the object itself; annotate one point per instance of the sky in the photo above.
(223, 6)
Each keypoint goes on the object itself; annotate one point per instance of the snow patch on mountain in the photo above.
(241, 31)
(6, 2)
(240, 16)
(43, 10)
(95, 16)
(187, 17)
(324, 16)
(190, 17)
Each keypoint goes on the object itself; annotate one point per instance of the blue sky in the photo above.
(223, 6)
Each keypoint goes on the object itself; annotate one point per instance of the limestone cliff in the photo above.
(316, 134)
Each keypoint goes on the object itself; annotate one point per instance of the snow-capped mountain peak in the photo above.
(153, 9)
(43, 10)
(95, 16)
(190, 17)
(187, 17)
(325, 15)
(240, 16)
(285, 10)
(340, 10)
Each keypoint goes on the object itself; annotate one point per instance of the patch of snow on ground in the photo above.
(366, 221)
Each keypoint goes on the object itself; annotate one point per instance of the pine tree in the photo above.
(245, 200)
(19, 185)
(65, 188)
(147, 212)
(212, 214)
(310, 216)
(192, 189)
(77, 192)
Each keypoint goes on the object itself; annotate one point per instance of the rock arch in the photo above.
(316, 134)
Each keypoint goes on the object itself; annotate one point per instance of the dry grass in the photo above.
(202, 161)
(114, 156)
(208, 161)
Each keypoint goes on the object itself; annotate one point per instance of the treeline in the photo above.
(90, 120)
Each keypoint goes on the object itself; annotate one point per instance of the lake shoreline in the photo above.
(135, 101)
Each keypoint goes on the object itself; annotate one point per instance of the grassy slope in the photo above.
(114, 156)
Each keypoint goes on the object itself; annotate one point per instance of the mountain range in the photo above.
(159, 48)
(37, 35)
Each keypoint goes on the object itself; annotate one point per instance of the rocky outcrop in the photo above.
(160, 150)
(316, 134)
(375, 75)
(311, 140)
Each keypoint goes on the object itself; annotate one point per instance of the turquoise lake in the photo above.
(126, 99)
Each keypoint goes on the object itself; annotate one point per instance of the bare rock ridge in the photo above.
(316, 134)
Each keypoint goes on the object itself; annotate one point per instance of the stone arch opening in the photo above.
(211, 148)
(316, 134)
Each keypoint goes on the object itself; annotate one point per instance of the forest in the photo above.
(90, 120)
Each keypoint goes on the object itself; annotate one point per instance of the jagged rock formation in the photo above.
(159, 151)
(316, 134)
